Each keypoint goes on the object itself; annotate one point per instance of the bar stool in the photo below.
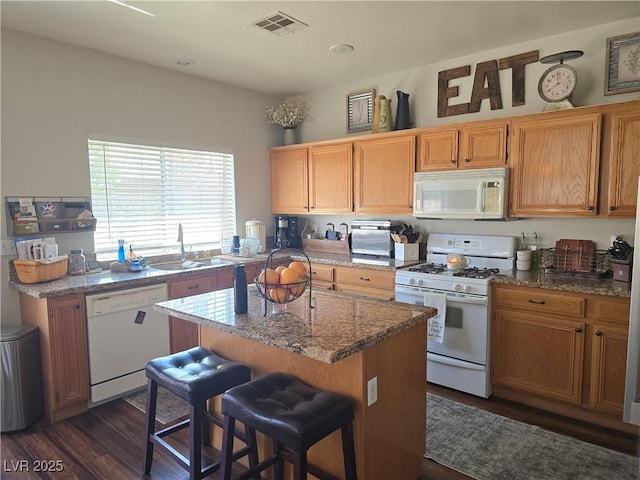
(295, 416)
(195, 375)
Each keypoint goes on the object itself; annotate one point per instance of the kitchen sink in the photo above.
(189, 264)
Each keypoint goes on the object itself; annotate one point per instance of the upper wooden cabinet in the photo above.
(318, 179)
(331, 178)
(289, 181)
(554, 163)
(474, 145)
(622, 145)
(383, 175)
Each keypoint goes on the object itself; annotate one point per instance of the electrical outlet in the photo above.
(372, 391)
(8, 248)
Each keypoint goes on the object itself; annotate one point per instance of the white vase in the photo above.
(290, 137)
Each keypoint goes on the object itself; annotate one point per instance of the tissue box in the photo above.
(407, 251)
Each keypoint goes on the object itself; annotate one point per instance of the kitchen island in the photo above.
(342, 343)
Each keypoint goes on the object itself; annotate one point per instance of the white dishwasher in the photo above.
(125, 332)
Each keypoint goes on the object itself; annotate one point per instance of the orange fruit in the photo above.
(278, 294)
(289, 275)
(301, 268)
(270, 276)
(279, 268)
(297, 290)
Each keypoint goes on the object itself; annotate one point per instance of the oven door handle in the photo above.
(454, 362)
(469, 300)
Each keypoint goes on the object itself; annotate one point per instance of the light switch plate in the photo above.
(8, 248)
(372, 391)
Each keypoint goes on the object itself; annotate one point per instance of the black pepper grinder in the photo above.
(240, 289)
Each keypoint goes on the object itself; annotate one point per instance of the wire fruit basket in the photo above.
(283, 287)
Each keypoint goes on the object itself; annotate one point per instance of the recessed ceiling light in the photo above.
(341, 48)
(183, 61)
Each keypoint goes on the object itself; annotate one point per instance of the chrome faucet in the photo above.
(183, 255)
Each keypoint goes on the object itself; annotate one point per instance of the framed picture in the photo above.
(360, 111)
(622, 70)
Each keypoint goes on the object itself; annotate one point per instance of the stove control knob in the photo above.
(467, 288)
(412, 281)
(457, 286)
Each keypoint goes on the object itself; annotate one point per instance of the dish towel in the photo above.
(435, 325)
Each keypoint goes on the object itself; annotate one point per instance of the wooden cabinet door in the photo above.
(383, 179)
(538, 354)
(483, 146)
(437, 150)
(331, 178)
(554, 165)
(182, 333)
(477, 145)
(608, 367)
(69, 351)
(289, 181)
(624, 164)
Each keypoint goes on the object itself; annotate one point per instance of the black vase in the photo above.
(403, 118)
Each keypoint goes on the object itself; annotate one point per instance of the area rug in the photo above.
(487, 446)
(168, 407)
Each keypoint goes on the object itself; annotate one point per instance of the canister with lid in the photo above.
(76, 262)
(256, 229)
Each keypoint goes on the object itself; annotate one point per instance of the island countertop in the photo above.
(337, 326)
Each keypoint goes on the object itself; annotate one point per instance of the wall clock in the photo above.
(557, 84)
(360, 111)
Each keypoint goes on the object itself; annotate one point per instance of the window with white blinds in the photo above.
(140, 193)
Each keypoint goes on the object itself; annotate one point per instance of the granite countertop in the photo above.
(107, 280)
(567, 283)
(337, 326)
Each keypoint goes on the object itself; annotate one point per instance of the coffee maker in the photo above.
(285, 232)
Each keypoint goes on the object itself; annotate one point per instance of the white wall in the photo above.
(55, 95)
(328, 120)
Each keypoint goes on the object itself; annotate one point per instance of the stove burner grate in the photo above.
(428, 268)
(476, 272)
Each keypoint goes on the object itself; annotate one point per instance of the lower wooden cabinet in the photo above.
(365, 281)
(63, 343)
(322, 276)
(560, 346)
(183, 334)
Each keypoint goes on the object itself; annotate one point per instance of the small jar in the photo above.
(76, 262)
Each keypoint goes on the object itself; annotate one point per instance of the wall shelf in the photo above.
(47, 215)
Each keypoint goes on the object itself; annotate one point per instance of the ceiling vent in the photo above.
(280, 24)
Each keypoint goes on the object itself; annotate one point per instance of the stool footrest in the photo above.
(172, 429)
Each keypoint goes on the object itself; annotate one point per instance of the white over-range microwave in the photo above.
(462, 194)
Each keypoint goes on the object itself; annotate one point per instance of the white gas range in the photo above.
(461, 359)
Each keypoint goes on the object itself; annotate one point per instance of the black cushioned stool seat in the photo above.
(195, 375)
(295, 416)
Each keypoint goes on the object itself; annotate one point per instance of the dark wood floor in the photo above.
(105, 443)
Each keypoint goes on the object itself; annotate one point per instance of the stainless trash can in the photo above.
(21, 387)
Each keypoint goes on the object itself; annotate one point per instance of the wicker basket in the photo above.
(34, 271)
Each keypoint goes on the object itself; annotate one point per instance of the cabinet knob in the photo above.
(578, 330)
(590, 207)
(598, 333)
(467, 160)
(77, 306)
(612, 208)
(537, 302)
(193, 287)
(453, 160)
(365, 279)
